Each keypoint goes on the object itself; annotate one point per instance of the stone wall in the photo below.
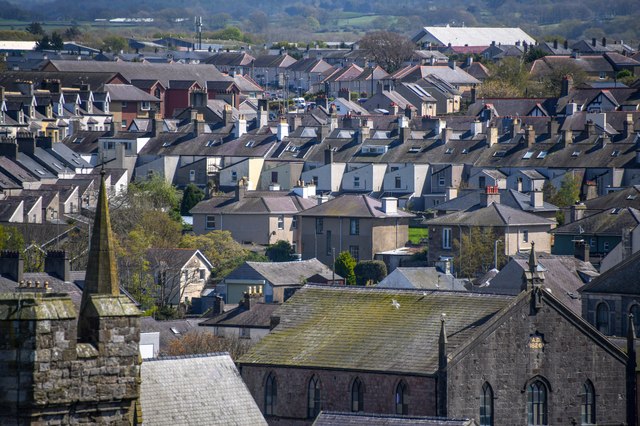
(571, 353)
(47, 378)
(379, 392)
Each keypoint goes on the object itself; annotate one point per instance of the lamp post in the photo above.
(495, 253)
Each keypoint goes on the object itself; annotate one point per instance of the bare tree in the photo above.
(387, 49)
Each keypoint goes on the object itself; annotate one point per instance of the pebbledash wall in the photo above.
(50, 376)
(335, 392)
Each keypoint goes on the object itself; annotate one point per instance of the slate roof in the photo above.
(353, 206)
(168, 330)
(626, 197)
(621, 279)
(608, 222)
(143, 70)
(255, 202)
(173, 257)
(289, 273)
(57, 285)
(362, 329)
(8, 209)
(455, 75)
(495, 214)
(423, 278)
(196, 390)
(259, 316)
(563, 276)
(331, 418)
(127, 92)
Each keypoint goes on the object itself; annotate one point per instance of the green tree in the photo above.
(387, 49)
(280, 251)
(11, 239)
(369, 272)
(344, 265)
(44, 43)
(56, 41)
(508, 78)
(35, 28)
(72, 33)
(224, 253)
(474, 251)
(114, 43)
(192, 195)
(569, 192)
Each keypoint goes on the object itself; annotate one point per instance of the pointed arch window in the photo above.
(602, 318)
(401, 399)
(313, 398)
(357, 396)
(270, 394)
(588, 406)
(486, 405)
(537, 403)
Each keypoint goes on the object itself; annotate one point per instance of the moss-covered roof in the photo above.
(371, 329)
(36, 306)
(106, 305)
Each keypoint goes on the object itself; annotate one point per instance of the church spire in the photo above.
(102, 273)
(533, 277)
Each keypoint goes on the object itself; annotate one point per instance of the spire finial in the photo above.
(533, 260)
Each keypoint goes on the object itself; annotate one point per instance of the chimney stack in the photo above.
(446, 134)
(628, 126)
(240, 127)
(218, 305)
(581, 250)
(555, 43)
(515, 127)
(9, 149)
(390, 205)
(567, 85)
(566, 44)
(56, 263)
(492, 135)
(227, 115)
(536, 199)
(577, 211)
(490, 195)
(567, 136)
(241, 190)
(530, 136)
(328, 155)
(283, 129)
(553, 127)
(364, 132)
(26, 142)
(593, 42)
(590, 128)
(11, 265)
(476, 127)
(295, 121)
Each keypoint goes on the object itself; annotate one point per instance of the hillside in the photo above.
(273, 18)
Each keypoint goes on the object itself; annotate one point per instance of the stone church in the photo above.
(501, 360)
(58, 366)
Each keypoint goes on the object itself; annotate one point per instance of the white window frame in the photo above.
(145, 106)
(446, 238)
(281, 221)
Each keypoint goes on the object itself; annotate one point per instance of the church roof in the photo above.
(372, 329)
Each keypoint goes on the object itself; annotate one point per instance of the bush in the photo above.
(369, 272)
(344, 266)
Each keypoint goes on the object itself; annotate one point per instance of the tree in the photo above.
(280, 251)
(72, 33)
(56, 41)
(224, 253)
(114, 43)
(569, 192)
(508, 78)
(11, 239)
(203, 342)
(475, 251)
(35, 28)
(192, 195)
(344, 265)
(387, 49)
(44, 43)
(370, 272)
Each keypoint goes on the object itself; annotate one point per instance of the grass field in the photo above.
(418, 234)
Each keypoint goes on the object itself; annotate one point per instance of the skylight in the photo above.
(250, 144)
(575, 153)
(414, 149)
(615, 153)
(500, 153)
(527, 155)
(449, 151)
(542, 154)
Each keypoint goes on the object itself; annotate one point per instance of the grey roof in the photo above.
(621, 279)
(127, 92)
(196, 390)
(627, 197)
(331, 418)
(289, 273)
(353, 206)
(168, 330)
(173, 257)
(259, 316)
(144, 70)
(475, 36)
(427, 278)
(608, 222)
(563, 276)
(493, 215)
(255, 202)
(371, 329)
(57, 285)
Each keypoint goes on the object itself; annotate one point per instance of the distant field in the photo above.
(418, 234)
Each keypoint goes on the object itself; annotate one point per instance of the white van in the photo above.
(299, 103)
